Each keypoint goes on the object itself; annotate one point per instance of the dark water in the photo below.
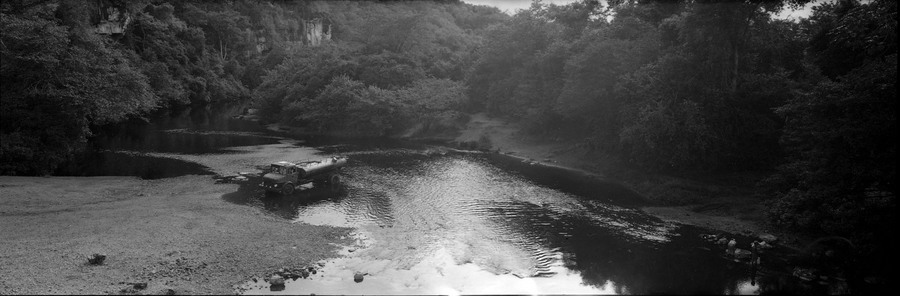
(122, 150)
(430, 220)
(520, 222)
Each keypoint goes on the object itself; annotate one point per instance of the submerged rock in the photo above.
(358, 277)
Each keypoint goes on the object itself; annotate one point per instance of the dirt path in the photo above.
(176, 234)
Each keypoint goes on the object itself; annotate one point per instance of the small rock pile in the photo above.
(766, 242)
(277, 279)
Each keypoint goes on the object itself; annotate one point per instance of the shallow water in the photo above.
(465, 223)
(431, 220)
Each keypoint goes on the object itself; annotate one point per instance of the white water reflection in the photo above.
(436, 274)
(452, 224)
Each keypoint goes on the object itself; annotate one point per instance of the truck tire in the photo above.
(288, 188)
(334, 180)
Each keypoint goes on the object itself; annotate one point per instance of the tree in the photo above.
(839, 176)
(57, 82)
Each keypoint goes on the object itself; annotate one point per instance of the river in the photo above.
(433, 220)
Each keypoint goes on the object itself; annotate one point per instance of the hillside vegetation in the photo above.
(672, 87)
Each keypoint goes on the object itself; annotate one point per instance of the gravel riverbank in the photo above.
(176, 235)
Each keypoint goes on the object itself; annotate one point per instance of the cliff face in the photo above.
(305, 32)
(113, 20)
(291, 25)
(316, 31)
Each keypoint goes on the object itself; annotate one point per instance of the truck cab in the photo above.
(284, 177)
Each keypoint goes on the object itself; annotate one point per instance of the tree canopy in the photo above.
(675, 87)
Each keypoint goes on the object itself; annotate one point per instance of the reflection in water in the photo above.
(189, 130)
(283, 206)
(469, 223)
(183, 141)
(133, 148)
(431, 221)
(109, 163)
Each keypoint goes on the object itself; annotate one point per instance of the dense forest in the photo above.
(670, 87)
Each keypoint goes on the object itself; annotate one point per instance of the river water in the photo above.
(433, 220)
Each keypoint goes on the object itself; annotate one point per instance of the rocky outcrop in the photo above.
(316, 31)
(113, 20)
(310, 30)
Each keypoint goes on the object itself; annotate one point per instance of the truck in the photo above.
(284, 177)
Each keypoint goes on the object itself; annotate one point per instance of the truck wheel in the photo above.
(288, 188)
(335, 180)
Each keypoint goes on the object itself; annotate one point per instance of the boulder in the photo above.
(358, 277)
(276, 280)
(742, 254)
(768, 238)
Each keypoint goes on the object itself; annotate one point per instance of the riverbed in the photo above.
(410, 218)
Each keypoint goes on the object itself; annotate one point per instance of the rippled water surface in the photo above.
(444, 222)
(431, 220)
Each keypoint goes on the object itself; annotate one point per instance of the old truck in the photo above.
(284, 177)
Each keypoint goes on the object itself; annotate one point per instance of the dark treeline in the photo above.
(711, 86)
(396, 67)
(672, 87)
(70, 66)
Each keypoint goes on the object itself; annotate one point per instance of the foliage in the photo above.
(685, 86)
(395, 69)
(715, 86)
(57, 81)
(553, 67)
(841, 134)
(60, 78)
(349, 106)
(667, 134)
(434, 105)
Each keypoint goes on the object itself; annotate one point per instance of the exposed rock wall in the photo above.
(113, 20)
(316, 31)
